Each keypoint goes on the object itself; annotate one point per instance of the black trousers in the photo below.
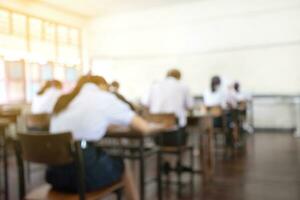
(100, 170)
(173, 138)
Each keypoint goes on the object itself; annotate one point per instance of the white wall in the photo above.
(254, 41)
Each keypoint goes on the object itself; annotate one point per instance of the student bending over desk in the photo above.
(87, 112)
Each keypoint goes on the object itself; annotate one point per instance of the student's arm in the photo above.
(143, 126)
(189, 100)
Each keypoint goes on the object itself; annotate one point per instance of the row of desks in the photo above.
(201, 124)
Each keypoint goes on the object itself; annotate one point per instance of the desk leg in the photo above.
(210, 152)
(202, 156)
(142, 169)
(159, 177)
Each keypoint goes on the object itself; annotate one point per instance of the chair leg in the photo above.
(179, 172)
(28, 172)
(192, 171)
(119, 193)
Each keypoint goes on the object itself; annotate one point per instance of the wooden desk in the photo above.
(126, 132)
(4, 123)
(204, 125)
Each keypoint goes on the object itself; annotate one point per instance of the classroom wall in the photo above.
(254, 41)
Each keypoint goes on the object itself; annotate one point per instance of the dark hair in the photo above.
(236, 86)
(63, 102)
(215, 82)
(115, 84)
(51, 83)
(175, 73)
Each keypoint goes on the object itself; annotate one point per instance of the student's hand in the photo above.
(145, 127)
(156, 127)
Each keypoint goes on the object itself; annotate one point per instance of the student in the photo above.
(240, 96)
(114, 88)
(222, 96)
(46, 97)
(170, 95)
(87, 112)
(215, 96)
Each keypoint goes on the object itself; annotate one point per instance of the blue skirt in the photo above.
(101, 170)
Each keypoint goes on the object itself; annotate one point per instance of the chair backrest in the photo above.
(45, 148)
(168, 119)
(37, 122)
(215, 111)
(49, 149)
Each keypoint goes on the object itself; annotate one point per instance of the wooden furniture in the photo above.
(4, 123)
(220, 129)
(44, 148)
(203, 125)
(37, 122)
(139, 152)
(170, 120)
(11, 114)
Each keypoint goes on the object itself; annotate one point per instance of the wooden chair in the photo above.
(55, 150)
(242, 107)
(242, 115)
(4, 123)
(217, 112)
(37, 122)
(170, 120)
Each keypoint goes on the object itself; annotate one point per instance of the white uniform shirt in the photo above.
(240, 96)
(170, 96)
(90, 113)
(217, 98)
(45, 103)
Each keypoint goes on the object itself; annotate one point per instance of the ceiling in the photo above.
(93, 8)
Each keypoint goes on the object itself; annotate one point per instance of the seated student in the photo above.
(87, 112)
(224, 98)
(114, 88)
(46, 97)
(170, 95)
(242, 99)
(215, 97)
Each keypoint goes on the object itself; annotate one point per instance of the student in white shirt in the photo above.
(46, 97)
(87, 112)
(240, 96)
(225, 98)
(170, 95)
(215, 96)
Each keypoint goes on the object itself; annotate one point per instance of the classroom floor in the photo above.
(270, 170)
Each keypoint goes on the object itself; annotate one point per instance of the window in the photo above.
(19, 25)
(4, 22)
(15, 80)
(2, 82)
(35, 41)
